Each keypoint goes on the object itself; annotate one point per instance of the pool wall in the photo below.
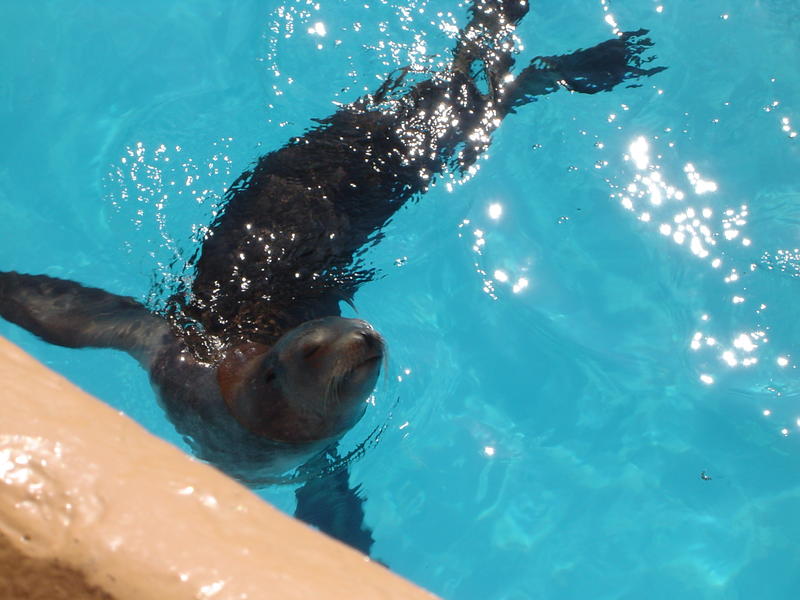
(93, 506)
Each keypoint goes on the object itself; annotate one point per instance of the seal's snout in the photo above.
(356, 353)
(367, 340)
(341, 343)
(373, 344)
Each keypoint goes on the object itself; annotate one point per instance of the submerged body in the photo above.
(253, 363)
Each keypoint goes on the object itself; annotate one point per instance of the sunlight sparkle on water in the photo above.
(701, 186)
(745, 343)
(318, 29)
(691, 227)
(640, 152)
(730, 358)
(786, 126)
(495, 210)
(695, 343)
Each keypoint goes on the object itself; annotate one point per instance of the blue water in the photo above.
(605, 311)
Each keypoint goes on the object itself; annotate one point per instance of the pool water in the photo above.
(593, 384)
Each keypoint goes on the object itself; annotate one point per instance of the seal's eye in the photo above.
(270, 376)
(311, 349)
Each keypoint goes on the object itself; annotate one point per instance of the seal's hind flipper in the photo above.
(596, 69)
(66, 313)
(329, 503)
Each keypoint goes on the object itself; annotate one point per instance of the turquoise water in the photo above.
(601, 314)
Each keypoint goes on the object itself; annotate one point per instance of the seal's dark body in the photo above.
(294, 223)
(282, 251)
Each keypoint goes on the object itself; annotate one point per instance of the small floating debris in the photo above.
(705, 476)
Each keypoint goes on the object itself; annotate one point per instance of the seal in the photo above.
(253, 362)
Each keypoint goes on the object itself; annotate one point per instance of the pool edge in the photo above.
(86, 488)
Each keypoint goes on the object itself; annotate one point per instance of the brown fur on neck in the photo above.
(234, 367)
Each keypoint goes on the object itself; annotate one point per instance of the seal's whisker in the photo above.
(329, 392)
(385, 365)
(332, 394)
(336, 392)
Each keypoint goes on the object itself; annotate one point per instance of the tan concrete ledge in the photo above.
(93, 506)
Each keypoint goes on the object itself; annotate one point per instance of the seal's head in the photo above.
(312, 385)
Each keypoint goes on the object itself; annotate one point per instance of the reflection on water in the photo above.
(169, 198)
(704, 229)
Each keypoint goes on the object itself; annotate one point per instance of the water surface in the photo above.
(606, 311)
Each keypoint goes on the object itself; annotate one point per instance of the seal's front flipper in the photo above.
(596, 69)
(66, 313)
(327, 502)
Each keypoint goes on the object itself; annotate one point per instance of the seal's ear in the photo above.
(66, 313)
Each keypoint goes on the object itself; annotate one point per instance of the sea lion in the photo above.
(254, 363)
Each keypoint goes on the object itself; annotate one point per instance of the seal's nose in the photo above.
(361, 324)
(363, 339)
(371, 339)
